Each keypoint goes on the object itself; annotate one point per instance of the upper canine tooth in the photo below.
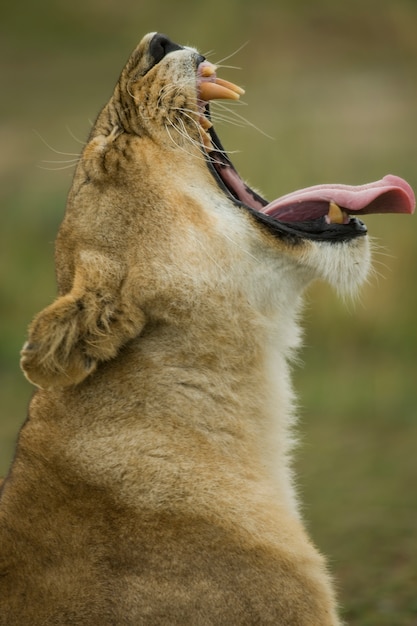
(210, 91)
(231, 86)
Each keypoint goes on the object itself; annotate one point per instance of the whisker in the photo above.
(220, 64)
(74, 154)
(56, 169)
(244, 120)
(379, 268)
(240, 247)
(190, 113)
(228, 67)
(199, 144)
(178, 145)
(185, 134)
(218, 118)
(208, 53)
(226, 58)
(134, 98)
(168, 89)
(82, 143)
(63, 161)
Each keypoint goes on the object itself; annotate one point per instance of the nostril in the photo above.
(160, 46)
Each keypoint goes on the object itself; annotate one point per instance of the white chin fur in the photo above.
(344, 265)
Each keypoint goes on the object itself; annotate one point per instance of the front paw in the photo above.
(54, 355)
(47, 373)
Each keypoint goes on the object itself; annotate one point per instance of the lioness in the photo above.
(151, 483)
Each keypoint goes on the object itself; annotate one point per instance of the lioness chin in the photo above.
(151, 482)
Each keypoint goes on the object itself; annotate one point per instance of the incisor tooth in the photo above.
(206, 141)
(207, 69)
(204, 122)
(335, 214)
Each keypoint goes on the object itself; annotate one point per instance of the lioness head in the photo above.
(161, 231)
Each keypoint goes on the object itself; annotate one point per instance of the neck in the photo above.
(215, 404)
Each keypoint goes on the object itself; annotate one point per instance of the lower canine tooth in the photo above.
(335, 214)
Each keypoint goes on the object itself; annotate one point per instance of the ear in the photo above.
(69, 338)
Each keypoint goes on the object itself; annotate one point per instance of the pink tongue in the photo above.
(389, 195)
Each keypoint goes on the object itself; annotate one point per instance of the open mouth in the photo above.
(322, 212)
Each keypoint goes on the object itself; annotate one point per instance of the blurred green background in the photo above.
(335, 85)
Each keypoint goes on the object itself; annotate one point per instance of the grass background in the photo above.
(336, 85)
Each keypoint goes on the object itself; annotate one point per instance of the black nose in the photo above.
(160, 46)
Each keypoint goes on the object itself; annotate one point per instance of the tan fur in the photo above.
(151, 483)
